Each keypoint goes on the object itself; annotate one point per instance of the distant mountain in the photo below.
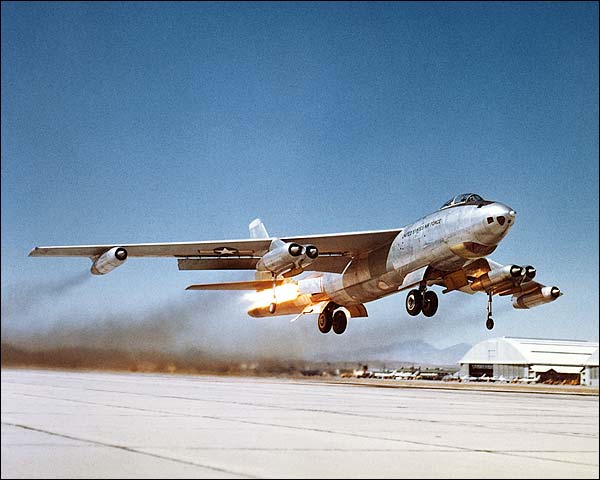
(413, 351)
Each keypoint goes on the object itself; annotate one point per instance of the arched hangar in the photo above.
(545, 360)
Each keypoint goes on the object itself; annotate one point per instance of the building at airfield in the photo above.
(541, 360)
(589, 375)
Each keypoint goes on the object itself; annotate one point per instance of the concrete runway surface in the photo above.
(89, 424)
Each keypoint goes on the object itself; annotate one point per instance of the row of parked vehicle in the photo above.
(500, 379)
(400, 374)
(396, 374)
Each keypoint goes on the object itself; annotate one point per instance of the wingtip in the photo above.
(33, 252)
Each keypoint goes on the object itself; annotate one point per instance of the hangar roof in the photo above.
(531, 351)
(592, 361)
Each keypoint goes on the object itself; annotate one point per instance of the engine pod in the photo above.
(109, 260)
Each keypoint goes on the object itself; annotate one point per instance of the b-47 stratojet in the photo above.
(447, 248)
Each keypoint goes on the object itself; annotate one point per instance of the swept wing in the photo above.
(335, 250)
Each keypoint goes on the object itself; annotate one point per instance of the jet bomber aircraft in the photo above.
(448, 248)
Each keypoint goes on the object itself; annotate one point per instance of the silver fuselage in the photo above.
(445, 241)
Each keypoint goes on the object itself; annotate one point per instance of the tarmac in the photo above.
(59, 424)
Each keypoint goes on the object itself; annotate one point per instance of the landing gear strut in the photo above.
(489, 324)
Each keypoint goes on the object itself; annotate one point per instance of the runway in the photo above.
(58, 424)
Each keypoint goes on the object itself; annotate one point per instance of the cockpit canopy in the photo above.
(462, 199)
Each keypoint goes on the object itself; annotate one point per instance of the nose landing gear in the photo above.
(489, 324)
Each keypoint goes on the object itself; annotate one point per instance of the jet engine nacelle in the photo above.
(109, 260)
(539, 296)
(288, 259)
(496, 277)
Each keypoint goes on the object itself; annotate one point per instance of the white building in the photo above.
(589, 375)
(551, 361)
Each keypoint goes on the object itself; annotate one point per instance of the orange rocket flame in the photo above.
(283, 293)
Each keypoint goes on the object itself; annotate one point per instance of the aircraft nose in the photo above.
(496, 219)
(504, 215)
(498, 215)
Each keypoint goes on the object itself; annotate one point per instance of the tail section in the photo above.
(257, 229)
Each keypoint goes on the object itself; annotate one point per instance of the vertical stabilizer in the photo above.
(257, 229)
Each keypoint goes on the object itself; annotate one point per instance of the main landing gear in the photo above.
(421, 300)
(489, 324)
(331, 318)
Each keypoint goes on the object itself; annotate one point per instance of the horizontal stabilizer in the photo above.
(251, 285)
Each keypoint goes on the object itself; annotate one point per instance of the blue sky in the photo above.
(150, 122)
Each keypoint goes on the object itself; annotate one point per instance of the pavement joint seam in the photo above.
(451, 447)
(128, 449)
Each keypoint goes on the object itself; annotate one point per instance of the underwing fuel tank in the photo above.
(109, 260)
(539, 296)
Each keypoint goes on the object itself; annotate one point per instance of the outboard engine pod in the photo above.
(539, 296)
(109, 260)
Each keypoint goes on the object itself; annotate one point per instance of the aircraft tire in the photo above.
(325, 322)
(430, 303)
(340, 322)
(414, 302)
(489, 324)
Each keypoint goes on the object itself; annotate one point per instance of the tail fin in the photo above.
(257, 229)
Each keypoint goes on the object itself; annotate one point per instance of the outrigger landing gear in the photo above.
(489, 324)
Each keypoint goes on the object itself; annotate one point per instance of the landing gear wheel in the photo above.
(430, 303)
(414, 302)
(272, 308)
(489, 324)
(325, 322)
(340, 322)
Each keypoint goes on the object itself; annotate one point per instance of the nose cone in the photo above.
(495, 222)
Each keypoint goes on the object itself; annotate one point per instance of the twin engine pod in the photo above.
(109, 260)
(503, 278)
(287, 259)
